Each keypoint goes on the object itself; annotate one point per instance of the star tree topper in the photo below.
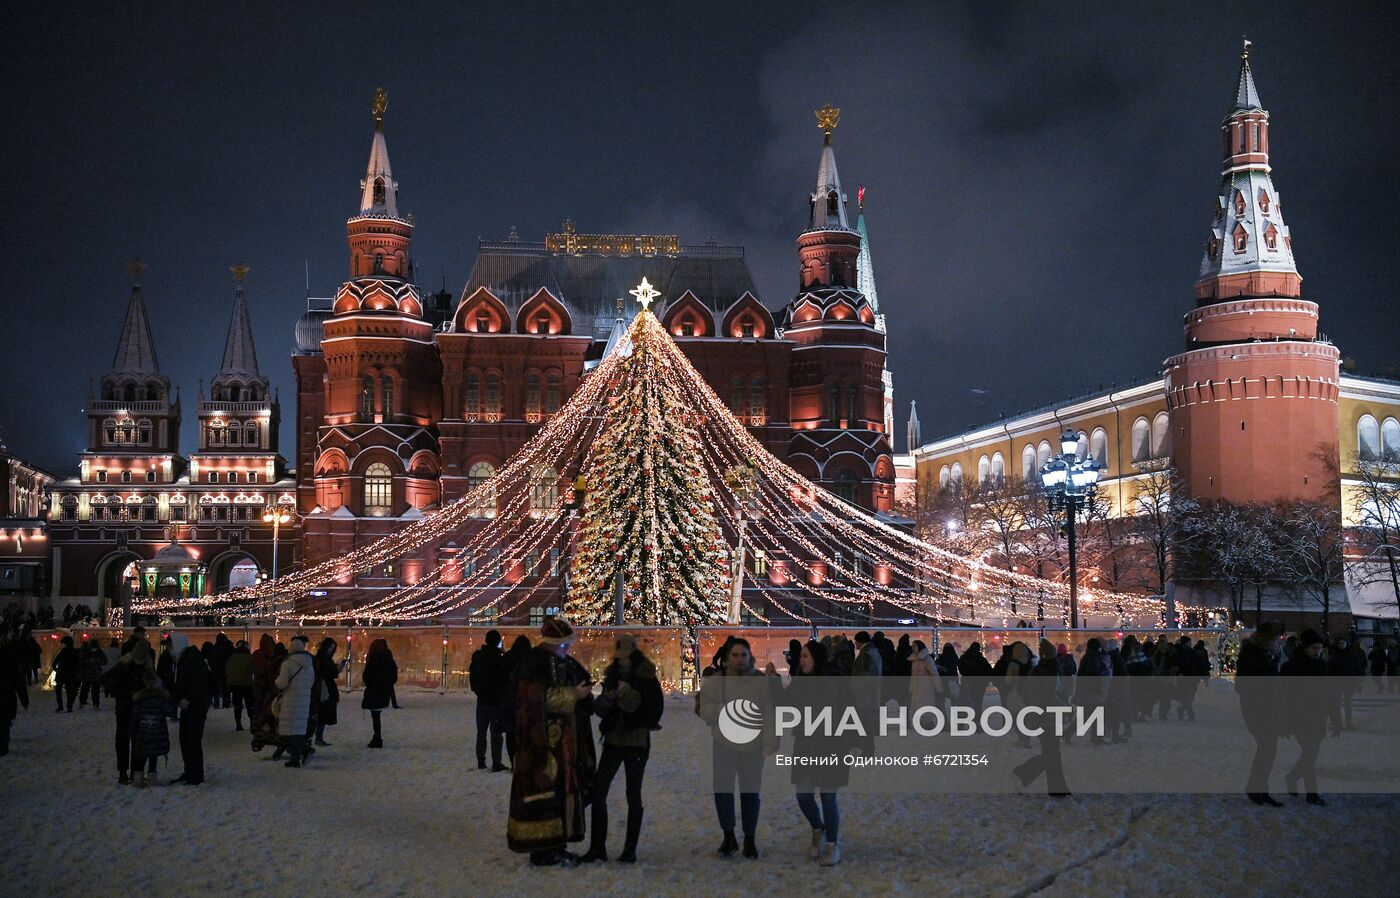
(645, 293)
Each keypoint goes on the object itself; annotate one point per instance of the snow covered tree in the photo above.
(649, 512)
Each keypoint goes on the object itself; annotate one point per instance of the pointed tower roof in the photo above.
(379, 192)
(1246, 94)
(828, 203)
(136, 351)
(912, 432)
(1248, 248)
(240, 358)
(865, 271)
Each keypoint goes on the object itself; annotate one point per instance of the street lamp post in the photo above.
(276, 516)
(1070, 484)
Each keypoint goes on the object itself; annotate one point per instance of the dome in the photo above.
(308, 331)
(173, 554)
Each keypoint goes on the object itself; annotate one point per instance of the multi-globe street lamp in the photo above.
(1070, 483)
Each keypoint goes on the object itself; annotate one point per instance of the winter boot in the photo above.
(815, 851)
(832, 855)
(729, 845)
(750, 849)
(376, 742)
(634, 832)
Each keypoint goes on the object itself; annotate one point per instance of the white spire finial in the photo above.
(645, 293)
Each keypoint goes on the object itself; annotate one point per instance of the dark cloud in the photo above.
(1040, 176)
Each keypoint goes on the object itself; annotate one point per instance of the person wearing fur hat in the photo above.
(192, 694)
(629, 709)
(554, 760)
(1312, 702)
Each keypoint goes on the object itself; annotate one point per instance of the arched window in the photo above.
(1241, 238)
(69, 508)
(845, 487)
(544, 491)
(387, 396)
(1161, 436)
(551, 394)
(738, 399)
(998, 468)
(491, 398)
(833, 404)
(1142, 440)
(984, 470)
(851, 416)
(944, 476)
(1390, 438)
(833, 203)
(758, 401)
(1028, 463)
(1098, 446)
(957, 474)
(1081, 448)
(484, 506)
(366, 398)
(378, 192)
(471, 390)
(1368, 437)
(532, 396)
(1042, 453)
(144, 431)
(379, 490)
(250, 435)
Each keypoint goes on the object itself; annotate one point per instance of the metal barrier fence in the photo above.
(439, 657)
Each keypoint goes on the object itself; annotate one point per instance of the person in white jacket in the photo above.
(294, 684)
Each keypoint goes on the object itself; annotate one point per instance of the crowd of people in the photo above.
(536, 705)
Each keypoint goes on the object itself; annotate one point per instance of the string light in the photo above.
(649, 402)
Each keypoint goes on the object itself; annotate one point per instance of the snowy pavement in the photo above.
(418, 818)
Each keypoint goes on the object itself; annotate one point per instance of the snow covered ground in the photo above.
(418, 818)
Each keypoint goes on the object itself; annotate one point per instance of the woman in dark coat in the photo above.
(379, 676)
(14, 692)
(67, 670)
(812, 686)
(976, 674)
(1312, 702)
(519, 650)
(1093, 681)
(94, 661)
(327, 670)
(629, 709)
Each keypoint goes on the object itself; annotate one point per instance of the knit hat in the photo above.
(1062, 649)
(301, 639)
(1309, 637)
(556, 631)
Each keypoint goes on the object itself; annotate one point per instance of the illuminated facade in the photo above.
(406, 404)
(138, 505)
(1257, 409)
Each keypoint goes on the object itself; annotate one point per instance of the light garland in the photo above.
(657, 446)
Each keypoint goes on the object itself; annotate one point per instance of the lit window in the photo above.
(477, 476)
(544, 491)
(379, 485)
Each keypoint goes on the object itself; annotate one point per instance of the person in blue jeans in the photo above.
(742, 763)
(810, 686)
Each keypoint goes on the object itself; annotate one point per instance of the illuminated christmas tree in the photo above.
(649, 512)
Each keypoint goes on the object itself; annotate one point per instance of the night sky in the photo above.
(1039, 178)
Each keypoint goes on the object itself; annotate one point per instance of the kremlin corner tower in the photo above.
(1253, 399)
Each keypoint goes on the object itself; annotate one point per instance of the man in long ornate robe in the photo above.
(554, 759)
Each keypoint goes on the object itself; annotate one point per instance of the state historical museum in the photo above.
(406, 402)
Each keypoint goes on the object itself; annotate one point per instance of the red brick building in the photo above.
(135, 495)
(405, 404)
